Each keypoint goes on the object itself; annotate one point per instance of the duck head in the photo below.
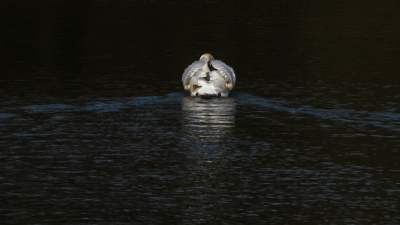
(207, 67)
(207, 56)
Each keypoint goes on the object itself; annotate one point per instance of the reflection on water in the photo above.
(209, 117)
(207, 125)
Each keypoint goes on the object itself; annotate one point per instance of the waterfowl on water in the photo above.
(208, 77)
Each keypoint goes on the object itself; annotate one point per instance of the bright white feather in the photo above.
(199, 81)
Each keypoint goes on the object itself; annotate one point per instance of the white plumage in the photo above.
(208, 77)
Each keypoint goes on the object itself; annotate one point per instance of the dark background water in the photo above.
(96, 128)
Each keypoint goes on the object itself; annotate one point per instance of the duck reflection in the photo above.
(208, 122)
(207, 128)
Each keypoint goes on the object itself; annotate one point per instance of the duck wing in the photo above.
(226, 72)
(194, 70)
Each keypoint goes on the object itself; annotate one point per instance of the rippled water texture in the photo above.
(96, 128)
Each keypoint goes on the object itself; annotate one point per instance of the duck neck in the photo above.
(206, 68)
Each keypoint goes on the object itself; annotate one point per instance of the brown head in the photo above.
(207, 56)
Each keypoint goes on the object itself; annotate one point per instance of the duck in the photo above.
(208, 77)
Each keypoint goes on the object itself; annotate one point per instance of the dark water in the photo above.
(96, 128)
